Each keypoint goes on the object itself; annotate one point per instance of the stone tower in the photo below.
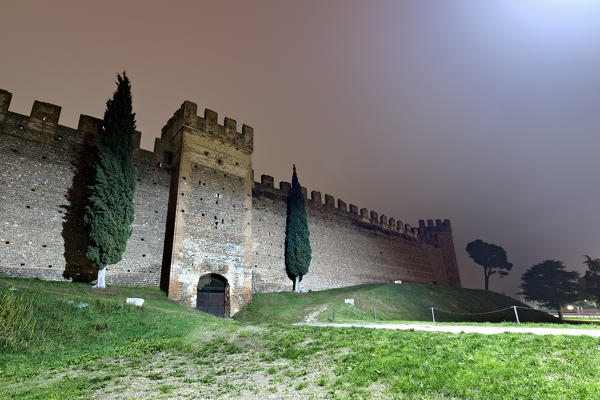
(208, 239)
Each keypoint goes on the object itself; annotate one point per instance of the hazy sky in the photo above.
(484, 112)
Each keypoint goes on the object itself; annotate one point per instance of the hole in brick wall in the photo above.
(204, 184)
(183, 178)
(128, 270)
(225, 175)
(33, 190)
(60, 211)
(182, 194)
(65, 196)
(155, 212)
(44, 245)
(203, 214)
(201, 198)
(206, 153)
(14, 150)
(7, 242)
(231, 220)
(195, 166)
(182, 210)
(234, 206)
(217, 202)
(50, 266)
(237, 164)
(139, 180)
(22, 264)
(27, 207)
(44, 157)
(143, 255)
(222, 221)
(215, 217)
(222, 188)
(142, 239)
(219, 161)
(154, 183)
(199, 182)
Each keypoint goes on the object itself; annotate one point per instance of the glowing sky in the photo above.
(484, 112)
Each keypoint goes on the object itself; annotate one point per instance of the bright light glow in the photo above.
(570, 307)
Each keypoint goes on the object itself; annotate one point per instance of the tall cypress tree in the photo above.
(109, 210)
(297, 243)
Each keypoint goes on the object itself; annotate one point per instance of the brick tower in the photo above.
(208, 239)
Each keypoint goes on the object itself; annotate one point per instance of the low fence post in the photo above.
(432, 315)
(333, 319)
(516, 315)
(374, 314)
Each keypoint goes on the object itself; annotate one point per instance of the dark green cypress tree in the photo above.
(109, 210)
(297, 243)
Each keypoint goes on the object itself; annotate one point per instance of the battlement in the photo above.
(425, 232)
(186, 117)
(46, 116)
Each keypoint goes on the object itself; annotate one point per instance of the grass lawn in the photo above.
(107, 350)
(391, 302)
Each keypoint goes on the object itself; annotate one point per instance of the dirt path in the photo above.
(312, 317)
(483, 329)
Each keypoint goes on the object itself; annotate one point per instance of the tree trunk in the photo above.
(487, 280)
(560, 313)
(101, 282)
(297, 284)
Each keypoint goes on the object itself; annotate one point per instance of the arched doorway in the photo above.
(213, 295)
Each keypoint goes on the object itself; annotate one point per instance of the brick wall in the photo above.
(346, 249)
(44, 168)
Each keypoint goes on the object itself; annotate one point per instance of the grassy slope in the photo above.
(165, 350)
(405, 302)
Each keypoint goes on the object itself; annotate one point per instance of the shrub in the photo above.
(17, 323)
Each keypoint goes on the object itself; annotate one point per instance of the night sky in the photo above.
(484, 112)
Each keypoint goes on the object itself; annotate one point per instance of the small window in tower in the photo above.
(219, 161)
(168, 157)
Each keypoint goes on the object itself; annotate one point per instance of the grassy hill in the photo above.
(398, 302)
(69, 341)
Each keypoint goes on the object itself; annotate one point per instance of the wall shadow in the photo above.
(78, 267)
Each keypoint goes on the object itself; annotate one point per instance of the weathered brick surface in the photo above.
(42, 172)
(345, 249)
(198, 211)
(211, 207)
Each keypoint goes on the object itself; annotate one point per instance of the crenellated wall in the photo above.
(44, 168)
(198, 212)
(348, 247)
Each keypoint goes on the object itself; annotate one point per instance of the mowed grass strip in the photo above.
(165, 350)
